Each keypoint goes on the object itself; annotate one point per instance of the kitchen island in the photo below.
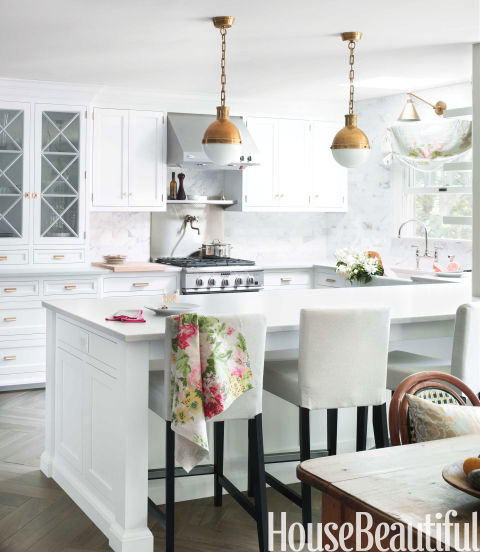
(97, 436)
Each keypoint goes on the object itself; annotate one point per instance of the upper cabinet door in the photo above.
(146, 167)
(293, 163)
(328, 190)
(110, 158)
(260, 180)
(14, 172)
(59, 195)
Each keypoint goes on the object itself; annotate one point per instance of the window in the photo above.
(441, 199)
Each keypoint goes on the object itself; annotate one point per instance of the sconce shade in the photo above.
(409, 113)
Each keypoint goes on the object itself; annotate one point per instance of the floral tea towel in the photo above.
(210, 368)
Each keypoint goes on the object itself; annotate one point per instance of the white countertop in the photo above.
(414, 303)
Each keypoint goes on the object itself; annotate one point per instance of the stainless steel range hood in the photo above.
(184, 143)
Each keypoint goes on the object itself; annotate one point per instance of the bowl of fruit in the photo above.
(464, 476)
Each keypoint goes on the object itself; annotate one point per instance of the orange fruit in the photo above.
(471, 464)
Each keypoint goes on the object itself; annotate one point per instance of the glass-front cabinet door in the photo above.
(14, 172)
(59, 196)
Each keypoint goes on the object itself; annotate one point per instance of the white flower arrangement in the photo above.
(356, 264)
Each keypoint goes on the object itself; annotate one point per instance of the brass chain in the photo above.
(223, 78)
(351, 47)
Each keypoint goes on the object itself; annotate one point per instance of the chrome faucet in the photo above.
(426, 253)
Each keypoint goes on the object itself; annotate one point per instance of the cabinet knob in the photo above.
(35, 195)
(27, 195)
(10, 319)
(9, 290)
(141, 284)
(3, 257)
(70, 287)
(58, 257)
(10, 357)
(130, 194)
(331, 280)
(285, 280)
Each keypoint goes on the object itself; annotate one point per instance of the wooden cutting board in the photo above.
(131, 266)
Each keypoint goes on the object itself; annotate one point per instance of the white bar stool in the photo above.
(465, 361)
(342, 362)
(248, 407)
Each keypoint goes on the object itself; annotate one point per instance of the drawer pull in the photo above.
(70, 287)
(10, 290)
(10, 357)
(331, 280)
(59, 256)
(10, 319)
(285, 280)
(3, 257)
(141, 284)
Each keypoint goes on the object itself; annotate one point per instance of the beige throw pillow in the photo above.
(440, 421)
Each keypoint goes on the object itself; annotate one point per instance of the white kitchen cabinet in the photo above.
(59, 175)
(294, 278)
(297, 170)
(328, 179)
(292, 189)
(129, 171)
(259, 181)
(15, 188)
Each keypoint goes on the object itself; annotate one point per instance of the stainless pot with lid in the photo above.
(216, 249)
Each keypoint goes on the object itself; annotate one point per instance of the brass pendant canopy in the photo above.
(350, 137)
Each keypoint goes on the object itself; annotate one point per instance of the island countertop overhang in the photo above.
(408, 304)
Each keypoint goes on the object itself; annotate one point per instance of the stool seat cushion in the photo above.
(402, 364)
(281, 379)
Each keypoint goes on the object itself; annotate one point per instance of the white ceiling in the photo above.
(277, 49)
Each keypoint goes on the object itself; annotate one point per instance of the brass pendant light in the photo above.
(409, 113)
(350, 146)
(222, 142)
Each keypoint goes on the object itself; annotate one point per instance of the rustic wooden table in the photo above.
(399, 485)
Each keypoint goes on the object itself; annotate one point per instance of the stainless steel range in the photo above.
(216, 275)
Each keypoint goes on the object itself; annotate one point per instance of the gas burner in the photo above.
(193, 262)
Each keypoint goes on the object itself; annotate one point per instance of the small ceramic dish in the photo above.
(168, 309)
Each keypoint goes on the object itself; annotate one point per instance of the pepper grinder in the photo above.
(181, 190)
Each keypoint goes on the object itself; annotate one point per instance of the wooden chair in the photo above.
(437, 387)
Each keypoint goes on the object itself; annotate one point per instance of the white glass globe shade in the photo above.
(223, 154)
(351, 157)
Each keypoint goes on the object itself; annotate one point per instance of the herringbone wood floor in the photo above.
(37, 516)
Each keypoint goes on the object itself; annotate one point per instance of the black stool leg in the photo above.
(380, 427)
(362, 419)
(251, 483)
(218, 441)
(305, 455)
(170, 489)
(260, 486)
(332, 423)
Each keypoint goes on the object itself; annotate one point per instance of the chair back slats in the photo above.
(444, 385)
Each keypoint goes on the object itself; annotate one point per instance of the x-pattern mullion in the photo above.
(3, 217)
(60, 132)
(59, 216)
(4, 173)
(4, 129)
(59, 174)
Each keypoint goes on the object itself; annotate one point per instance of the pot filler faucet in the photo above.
(188, 219)
(426, 254)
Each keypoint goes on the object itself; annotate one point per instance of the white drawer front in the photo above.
(58, 256)
(295, 279)
(72, 335)
(142, 285)
(20, 357)
(19, 289)
(17, 257)
(329, 279)
(22, 321)
(69, 287)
